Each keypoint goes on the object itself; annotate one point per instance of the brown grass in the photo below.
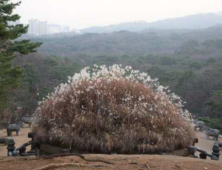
(100, 120)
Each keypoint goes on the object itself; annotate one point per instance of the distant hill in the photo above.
(156, 42)
(199, 21)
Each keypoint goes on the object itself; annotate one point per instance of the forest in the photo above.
(188, 61)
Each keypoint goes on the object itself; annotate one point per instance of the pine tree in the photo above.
(11, 47)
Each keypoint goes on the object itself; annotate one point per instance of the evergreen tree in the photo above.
(10, 47)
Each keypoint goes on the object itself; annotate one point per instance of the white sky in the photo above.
(85, 13)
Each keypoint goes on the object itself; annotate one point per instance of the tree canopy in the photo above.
(11, 47)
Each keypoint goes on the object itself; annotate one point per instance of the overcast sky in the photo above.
(85, 13)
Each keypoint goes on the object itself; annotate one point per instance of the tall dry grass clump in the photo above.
(113, 109)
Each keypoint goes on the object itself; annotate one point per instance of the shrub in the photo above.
(113, 109)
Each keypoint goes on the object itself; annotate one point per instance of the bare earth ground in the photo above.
(112, 162)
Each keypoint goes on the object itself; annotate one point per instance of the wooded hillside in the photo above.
(188, 61)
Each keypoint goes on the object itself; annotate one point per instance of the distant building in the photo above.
(38, 28)
(65, 29)
(54, 28)
(43, 28)
(34, 27)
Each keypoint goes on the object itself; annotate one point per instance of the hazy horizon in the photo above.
(83, 14)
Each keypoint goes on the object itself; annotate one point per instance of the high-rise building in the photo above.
(42, 28)
(54, 28)
(65, 29)
(33, 27)
(38, 27)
